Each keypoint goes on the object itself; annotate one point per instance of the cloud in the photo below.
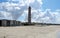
(46, 16)
(4, 15)
(54, 16)
(16, 9)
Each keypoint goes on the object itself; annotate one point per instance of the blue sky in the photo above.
(17, 10)
(51, 4)
(3, 0)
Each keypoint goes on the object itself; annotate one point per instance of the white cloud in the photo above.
(40, 1)
(10, 10)
(5, 15)
(38, 16)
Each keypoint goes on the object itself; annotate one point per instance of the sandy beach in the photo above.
(30, 32)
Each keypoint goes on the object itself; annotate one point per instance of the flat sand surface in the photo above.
(30, 32)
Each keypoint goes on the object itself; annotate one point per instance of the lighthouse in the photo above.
(29, 15)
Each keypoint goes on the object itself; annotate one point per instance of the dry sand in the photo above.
(30, 32)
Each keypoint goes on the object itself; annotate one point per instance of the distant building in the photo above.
(5, 22)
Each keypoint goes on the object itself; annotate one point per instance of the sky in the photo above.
(43, 11)
(51, 4)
